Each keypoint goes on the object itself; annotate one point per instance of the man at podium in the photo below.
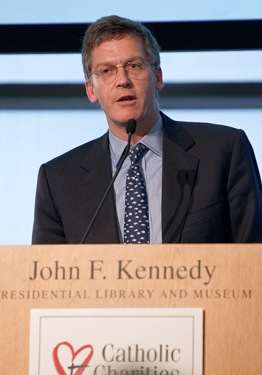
(174, 181)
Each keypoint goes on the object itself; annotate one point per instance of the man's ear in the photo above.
(159, 79)
(90, 92)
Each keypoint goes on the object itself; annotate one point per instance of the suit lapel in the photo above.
(97, 175)
(179, 175)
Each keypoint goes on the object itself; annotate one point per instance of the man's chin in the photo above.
(123, 114)
(123, 120)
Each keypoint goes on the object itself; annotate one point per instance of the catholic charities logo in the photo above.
(68, 361)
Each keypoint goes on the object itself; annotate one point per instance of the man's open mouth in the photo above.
(126, 98)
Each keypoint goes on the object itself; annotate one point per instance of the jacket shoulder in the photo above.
(76, 155)
(202, 133)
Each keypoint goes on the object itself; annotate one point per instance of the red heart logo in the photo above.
(80, 368)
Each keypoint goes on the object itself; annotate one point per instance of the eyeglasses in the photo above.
(134, 69)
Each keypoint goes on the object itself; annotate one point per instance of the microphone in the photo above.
(130, 129)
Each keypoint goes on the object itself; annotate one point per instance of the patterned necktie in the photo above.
(136, 226)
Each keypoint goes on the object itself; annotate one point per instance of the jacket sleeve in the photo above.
(47, 227)
(244, 193)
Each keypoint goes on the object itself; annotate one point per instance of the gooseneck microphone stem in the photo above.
(130, 129)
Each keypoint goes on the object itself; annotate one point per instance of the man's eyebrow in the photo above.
(112, 64)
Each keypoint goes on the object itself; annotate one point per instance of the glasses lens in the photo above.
(107, 73)
(136, 68)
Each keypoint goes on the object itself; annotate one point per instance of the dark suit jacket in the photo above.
(211, 189)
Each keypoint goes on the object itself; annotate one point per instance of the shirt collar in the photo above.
(153, 140)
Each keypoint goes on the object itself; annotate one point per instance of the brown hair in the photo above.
(115, 27)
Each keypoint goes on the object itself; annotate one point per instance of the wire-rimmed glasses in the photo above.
(134, 69)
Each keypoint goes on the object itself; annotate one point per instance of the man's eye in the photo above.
(134, 65)
(106, 70)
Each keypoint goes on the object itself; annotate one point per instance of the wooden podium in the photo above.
(224, 280)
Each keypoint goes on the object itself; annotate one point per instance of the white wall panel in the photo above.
(59, 11)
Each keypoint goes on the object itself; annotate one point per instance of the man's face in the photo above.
(125, 97)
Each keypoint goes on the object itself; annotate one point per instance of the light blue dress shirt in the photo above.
(152, 169)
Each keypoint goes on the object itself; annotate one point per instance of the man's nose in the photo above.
(122, 75)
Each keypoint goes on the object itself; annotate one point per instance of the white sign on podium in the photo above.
(135, 341)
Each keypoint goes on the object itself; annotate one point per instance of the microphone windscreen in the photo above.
(131, 126)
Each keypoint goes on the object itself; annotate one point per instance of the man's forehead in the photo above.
(117, 50)
(136, 40)
(116, 37)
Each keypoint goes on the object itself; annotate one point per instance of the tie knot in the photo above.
(137, 152)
